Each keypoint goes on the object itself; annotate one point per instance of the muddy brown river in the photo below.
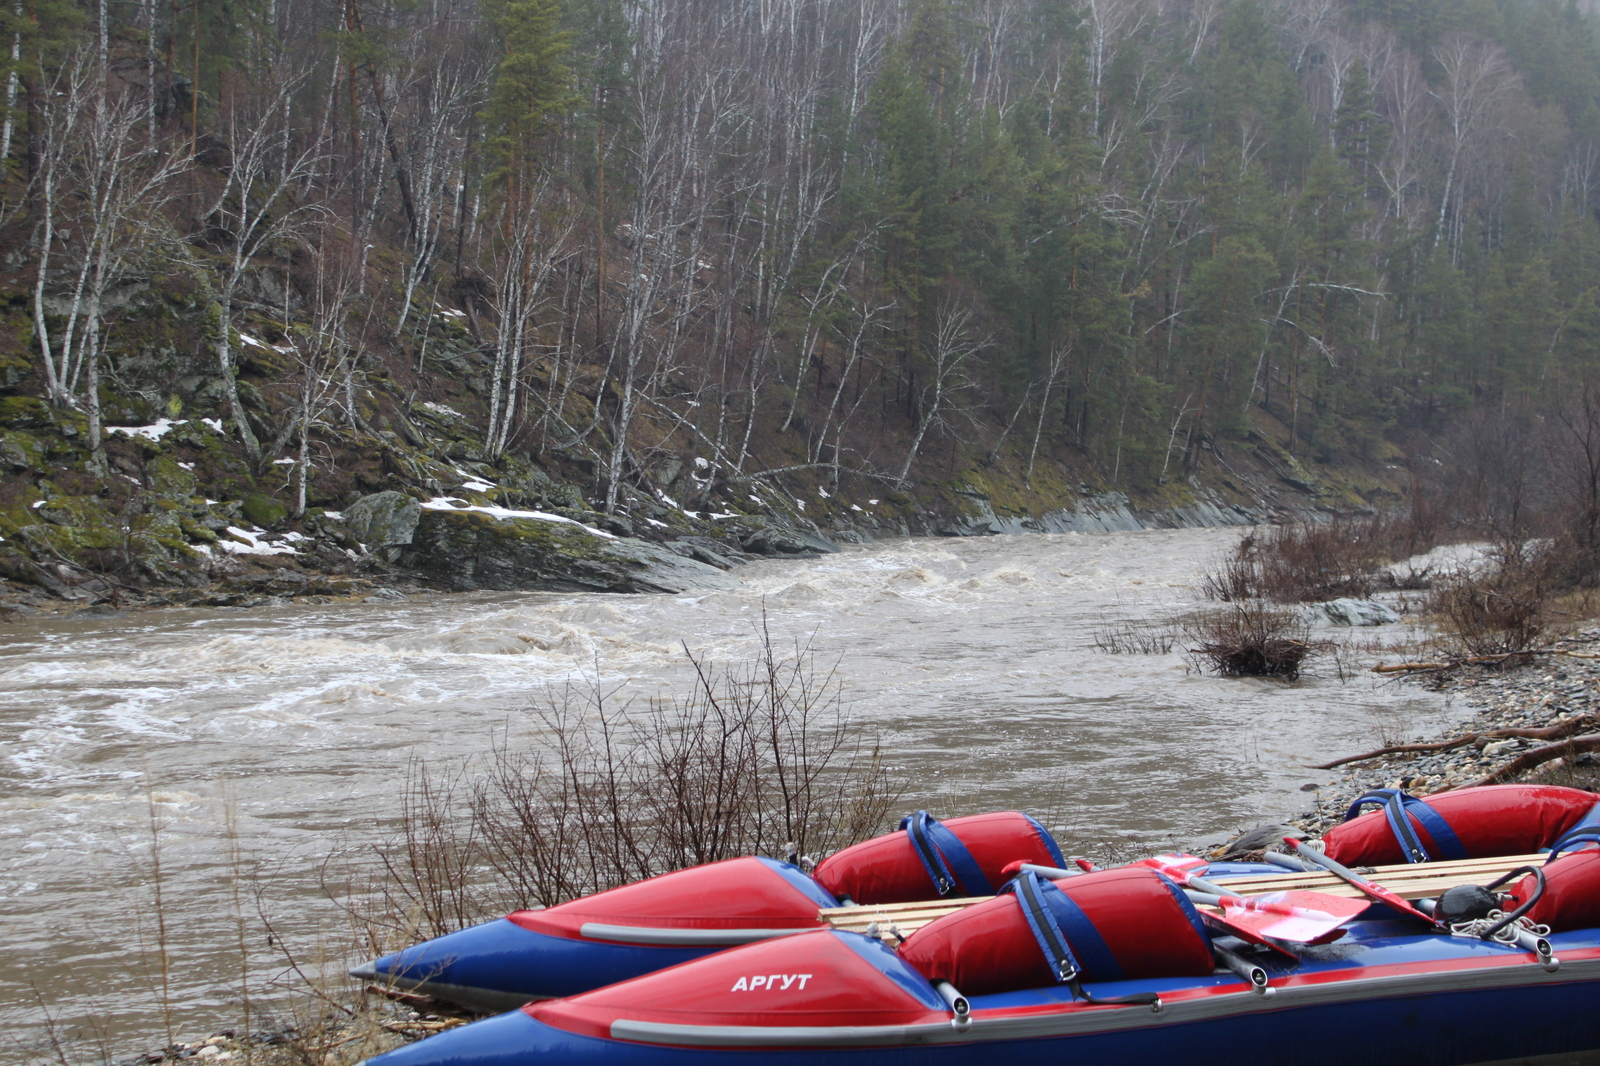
(217, 743)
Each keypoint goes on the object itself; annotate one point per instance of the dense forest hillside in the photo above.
(657, 260)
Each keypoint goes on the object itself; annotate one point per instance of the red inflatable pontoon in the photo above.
(888, 869)
(1120, 924)
(1487, 821)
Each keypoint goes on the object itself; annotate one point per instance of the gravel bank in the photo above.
(1549, 690)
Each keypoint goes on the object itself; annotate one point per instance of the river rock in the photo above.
(470, 549)
(782, 540)
(383, 520)
(705, 550)
(1349, 612)
(1258, 839)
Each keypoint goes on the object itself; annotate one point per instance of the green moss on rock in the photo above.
(22, 451)
(169, 479)
(264, 511)
(25, 412)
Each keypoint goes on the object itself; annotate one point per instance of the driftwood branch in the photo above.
(1561, 729)
(1528, 760)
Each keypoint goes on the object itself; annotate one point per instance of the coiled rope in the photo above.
(1475, 928)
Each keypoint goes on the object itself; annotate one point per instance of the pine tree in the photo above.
(532, 88)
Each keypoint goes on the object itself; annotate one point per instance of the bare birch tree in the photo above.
(265, 197)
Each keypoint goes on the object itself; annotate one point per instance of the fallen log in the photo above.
(1564, 728)
(1529, 760)
(1396, 749)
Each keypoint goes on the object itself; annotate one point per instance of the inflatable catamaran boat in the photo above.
(640, 928)
(1458, 954)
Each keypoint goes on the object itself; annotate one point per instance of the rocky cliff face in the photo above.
(172, 512)
(393, 484)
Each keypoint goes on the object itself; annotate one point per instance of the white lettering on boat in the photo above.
(770, 981)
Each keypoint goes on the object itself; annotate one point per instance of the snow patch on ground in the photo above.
(474, 483)
(451, 503)
(161, 427)
(253, 542)
(156, 431)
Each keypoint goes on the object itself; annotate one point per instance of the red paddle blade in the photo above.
(1384, 896)
(1299, 917)
(1176, 865)
(1244, 932)
(1371, 889)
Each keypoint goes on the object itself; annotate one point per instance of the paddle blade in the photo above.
(1176, 865)
(1371, 889)
(1213, 918)
(1298, 917)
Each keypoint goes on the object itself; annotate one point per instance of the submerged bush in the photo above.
(1252, 639)
(1305, 562)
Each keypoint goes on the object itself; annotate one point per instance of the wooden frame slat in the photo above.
(1409, 881)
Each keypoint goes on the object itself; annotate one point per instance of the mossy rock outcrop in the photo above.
(169, 480)
(383, 519)
(263, 510)
(463, 550)
(22, 451)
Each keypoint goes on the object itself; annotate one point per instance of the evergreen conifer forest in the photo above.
(1107, 242)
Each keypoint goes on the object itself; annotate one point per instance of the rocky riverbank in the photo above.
(172, 512)
(1552, 690)
(333, 1040)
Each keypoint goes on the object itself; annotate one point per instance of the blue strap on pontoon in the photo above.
(960, 860)
(1050, 845)
(916, 827)
(948, 862)
(1588, 821)
(1046, 907)
(1397, 806)
(1029, 889)
(1098, 962)
(1580, 835)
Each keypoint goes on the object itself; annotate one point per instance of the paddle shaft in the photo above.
(1212, 900)
(1368, 888)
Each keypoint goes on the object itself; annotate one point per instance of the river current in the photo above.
(257, 743)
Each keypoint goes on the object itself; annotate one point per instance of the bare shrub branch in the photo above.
(759, 758)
